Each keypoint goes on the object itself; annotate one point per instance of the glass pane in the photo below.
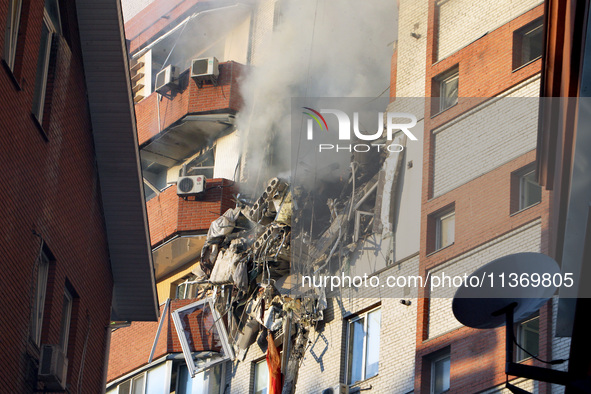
(532, 44)
(261, 378)
(355, 357)
(125, 387)
(373, 343)
(530, 337)
(446, 230)
(449, 92)
(530, 190)
(66, 313)
(42, 61)
(441, 375)
(157, 381)
(53, 10)
(212, 379)
(138, 385)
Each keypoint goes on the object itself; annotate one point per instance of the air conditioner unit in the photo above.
(190, 185)
(206, 69)
(340, 388)
(53, 367)
(166, 79)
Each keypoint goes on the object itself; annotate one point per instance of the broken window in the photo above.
(202, 335)
(203, 164)
(187, 288)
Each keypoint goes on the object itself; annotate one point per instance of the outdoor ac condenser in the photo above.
(190, 185)
(53, 367)
(166, 79)
(205, 69)
(339, 388)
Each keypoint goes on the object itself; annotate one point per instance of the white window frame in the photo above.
(443, 82)
(39, 300)
(11, 34)
(523, 190)
(66, 320)
(227, 351)
(363, 315)
(190, 284)
(41, 90)
(260, 364)
(438, 229)
(434, 360)
(521, 355)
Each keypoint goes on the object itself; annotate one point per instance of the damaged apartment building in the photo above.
(231, 240)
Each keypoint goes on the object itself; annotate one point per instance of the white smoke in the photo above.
(320, 48)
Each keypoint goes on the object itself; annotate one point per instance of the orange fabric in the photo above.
(274, 365)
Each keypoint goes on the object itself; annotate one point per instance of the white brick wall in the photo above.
(262, 27)
(464, 21)
(441, 318)
(412, 52)
(494, 133)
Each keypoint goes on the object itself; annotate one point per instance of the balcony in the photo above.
(189, 113)
(178, 226)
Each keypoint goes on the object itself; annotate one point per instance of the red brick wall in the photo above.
(189, 99)
(482, 206)
(169, 213)
(50, 186)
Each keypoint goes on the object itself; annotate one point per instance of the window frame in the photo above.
(524, 191)
(521, 355)
(40, 91)
(440, 356)
(438, 89)
(519, 40)
(38, 309)
(439, 218)
(259, 364)
(13, 24)
(348, 353)
(67, 306)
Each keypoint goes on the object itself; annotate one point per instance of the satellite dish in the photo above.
(481, 306)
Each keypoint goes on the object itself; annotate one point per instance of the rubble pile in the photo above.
(244, 261)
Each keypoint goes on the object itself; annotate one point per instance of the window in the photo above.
(39, 300)
(156, 380)
(528, 337)
(261, 377)
(440, 371)
(66, 318)
(205, 382)
(445, 229)
(186, 289)
(530, 192)
(445, 90)
(11, 33)
(136, 385)
(51, 25)
(527, 43)
(363, 346)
